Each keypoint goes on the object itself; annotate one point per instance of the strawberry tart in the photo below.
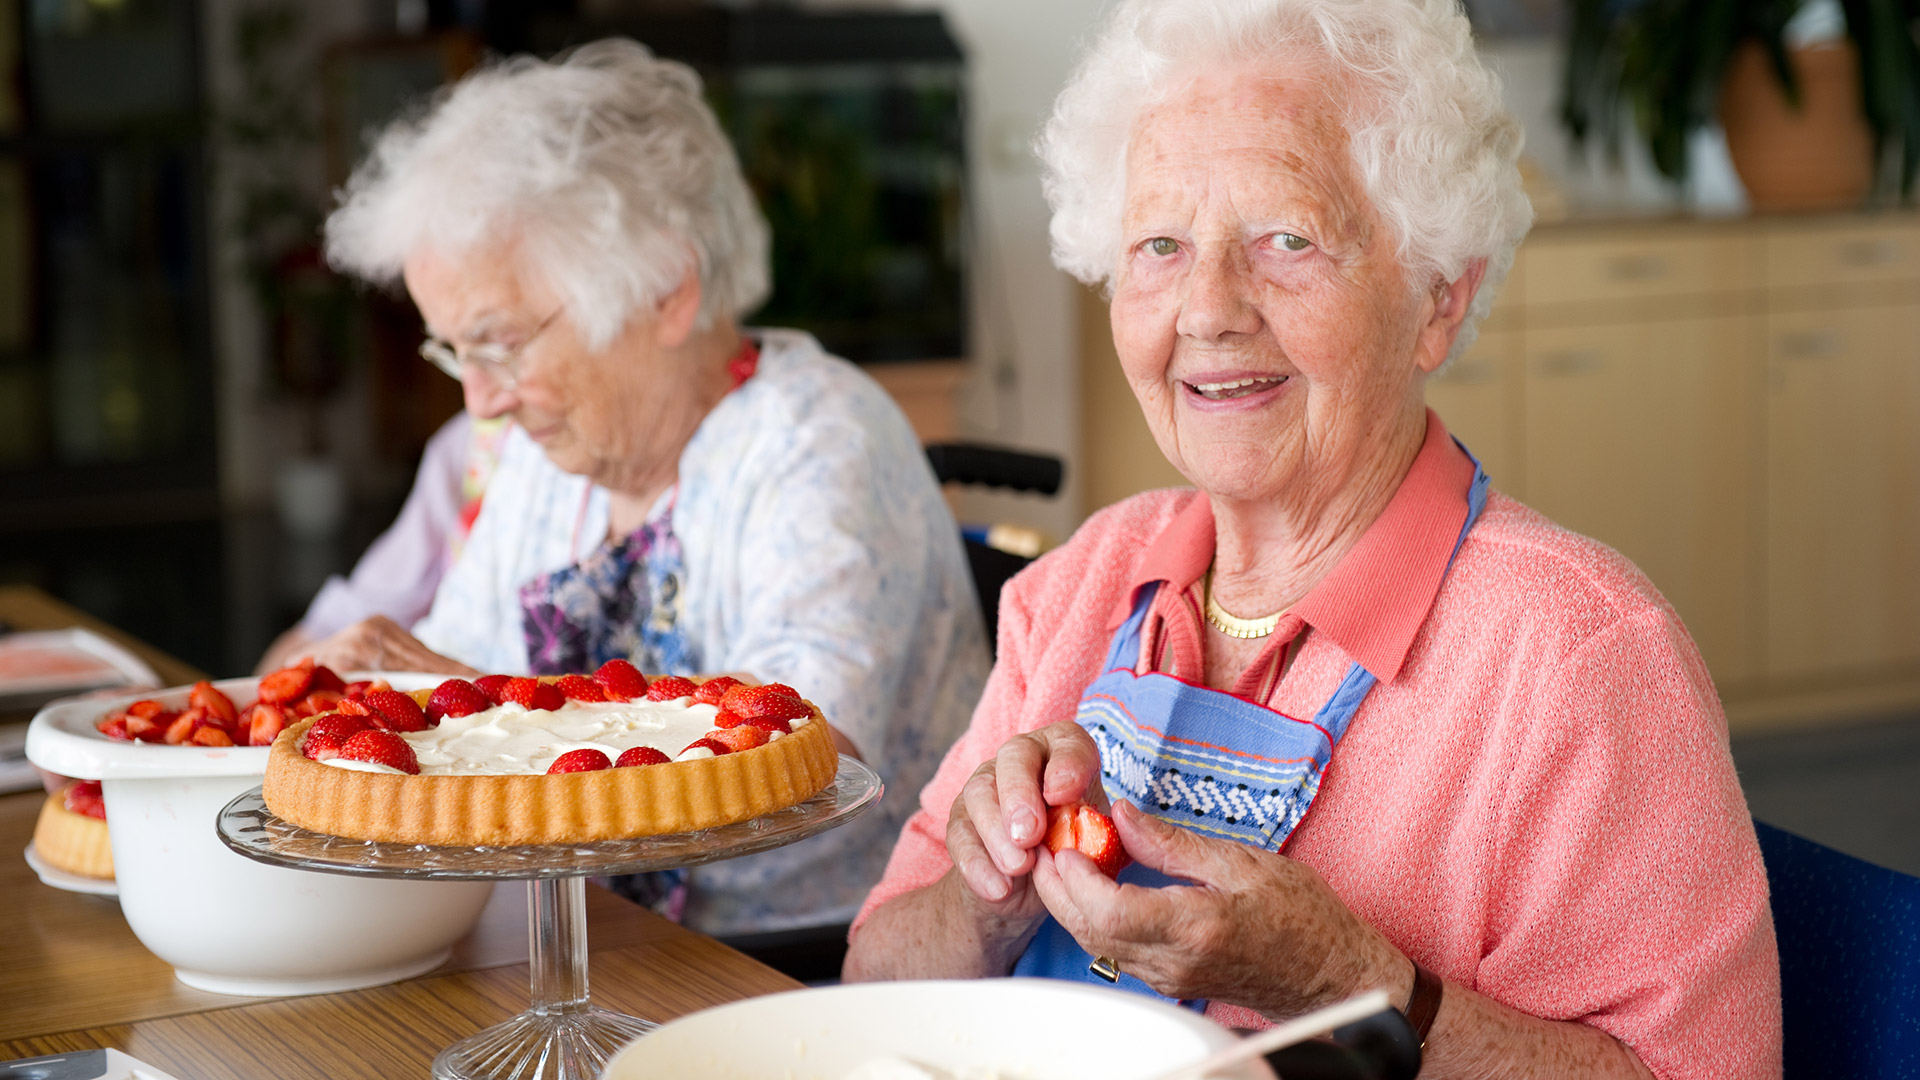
(504, 760)
(71, 834)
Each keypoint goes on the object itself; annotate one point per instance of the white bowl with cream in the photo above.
(226, 923)
(1004, 1029)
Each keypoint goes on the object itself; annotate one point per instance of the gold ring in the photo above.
(1106, 967)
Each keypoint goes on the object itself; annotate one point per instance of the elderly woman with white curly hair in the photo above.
(1363, 722)
(675, 491)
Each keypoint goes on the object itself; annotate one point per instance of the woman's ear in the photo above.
(1452, 300)
(678, 312)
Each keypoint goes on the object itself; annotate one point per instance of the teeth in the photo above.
(1234, 387)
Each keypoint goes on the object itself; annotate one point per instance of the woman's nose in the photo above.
(487, 395)
(1219, 300)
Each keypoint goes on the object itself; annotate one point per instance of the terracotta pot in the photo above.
(1818, 157)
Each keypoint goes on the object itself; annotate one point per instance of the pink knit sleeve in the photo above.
(920, 857)
(1629, 891)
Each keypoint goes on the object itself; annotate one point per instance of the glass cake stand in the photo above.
(562, 1035)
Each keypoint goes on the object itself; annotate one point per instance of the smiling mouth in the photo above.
(1234, 388)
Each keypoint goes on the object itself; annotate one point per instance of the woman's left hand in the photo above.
(1254, 929)
(379, 644)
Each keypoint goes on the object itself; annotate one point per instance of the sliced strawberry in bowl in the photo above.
(621, 681)
(289, 684)
(582, 760)
(640, 755)
(1079, 826)
(217, 705)
(381, 748)
(324, 678)
(267, 723)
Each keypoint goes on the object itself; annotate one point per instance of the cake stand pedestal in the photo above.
(562, 1035)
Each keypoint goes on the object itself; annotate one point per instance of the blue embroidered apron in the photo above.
(1203, 760)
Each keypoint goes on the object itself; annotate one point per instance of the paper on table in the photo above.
(39, 665)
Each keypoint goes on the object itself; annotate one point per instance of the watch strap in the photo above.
(1424, 1003)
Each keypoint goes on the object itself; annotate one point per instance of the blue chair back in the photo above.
(1849, 936)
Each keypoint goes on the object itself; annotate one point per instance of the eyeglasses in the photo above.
(499, 362)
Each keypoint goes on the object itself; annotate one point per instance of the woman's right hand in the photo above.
(1000, 820)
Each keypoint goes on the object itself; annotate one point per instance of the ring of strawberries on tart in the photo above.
(502, 760)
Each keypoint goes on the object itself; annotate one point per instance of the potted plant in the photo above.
(1807, 127)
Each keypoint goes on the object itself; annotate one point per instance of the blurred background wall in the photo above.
(198, 422)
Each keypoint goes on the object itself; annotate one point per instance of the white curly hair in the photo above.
(1430, 137)
(604, 165)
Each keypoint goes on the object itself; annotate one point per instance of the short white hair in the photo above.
(1429, 135)
(605, 166)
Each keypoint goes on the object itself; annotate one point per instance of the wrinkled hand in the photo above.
(1000, 819)
(379, 644)
(1254, 929)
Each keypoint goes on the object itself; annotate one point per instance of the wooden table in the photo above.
(73, 976)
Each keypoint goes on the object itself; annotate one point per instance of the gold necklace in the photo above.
(1233, 625)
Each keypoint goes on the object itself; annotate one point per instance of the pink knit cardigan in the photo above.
(1540, 804)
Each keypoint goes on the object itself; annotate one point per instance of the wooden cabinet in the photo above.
(1478, 397)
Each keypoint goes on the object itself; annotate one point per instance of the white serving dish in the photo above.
(226, 923)
(1010, 1029)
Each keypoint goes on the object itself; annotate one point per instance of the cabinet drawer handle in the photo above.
(1810, 344)
(1568, 362)
(1637, 268)
(1870, 253)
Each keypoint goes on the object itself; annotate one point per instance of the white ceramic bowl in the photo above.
(226, 923)
(1012, 1029)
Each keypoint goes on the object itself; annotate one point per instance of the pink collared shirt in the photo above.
(1536, 801)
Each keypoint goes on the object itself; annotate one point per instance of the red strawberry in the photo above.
(325, 679)
(1079, 826)
(149, 728)
(580, 688)
(381, 747)
(773, 701)
(83, 797)
(354, 691)
(714, 745)
(287, 684)
(582, 760)
(490, 685)
(329, 733)
(769, 724)
(267, 724)
(114, 727)
(745, 737)
(146, 710)
(210, 734)
(724, 719)
(395, 711)
(532, 694)
(183, 726)
(641, 755)
(669, 688)
(317, 702)
(456, 697)
(218, 705)
(621, 680)
(354, 707)
(713, 689)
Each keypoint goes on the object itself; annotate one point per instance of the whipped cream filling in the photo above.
(512, 740)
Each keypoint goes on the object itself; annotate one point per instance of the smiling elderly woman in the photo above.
(675, 491)
(1363, 721)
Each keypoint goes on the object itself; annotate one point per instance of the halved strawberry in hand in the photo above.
(711, 691)
(381, 748)
(288, 684)
(456, 697)
(579, 688)
(621, 681)
(1079, 826)
(581, 760)
(395, 711)
(669, 688)
(532, 694)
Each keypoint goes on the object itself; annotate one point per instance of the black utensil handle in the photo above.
(1378, 1047)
